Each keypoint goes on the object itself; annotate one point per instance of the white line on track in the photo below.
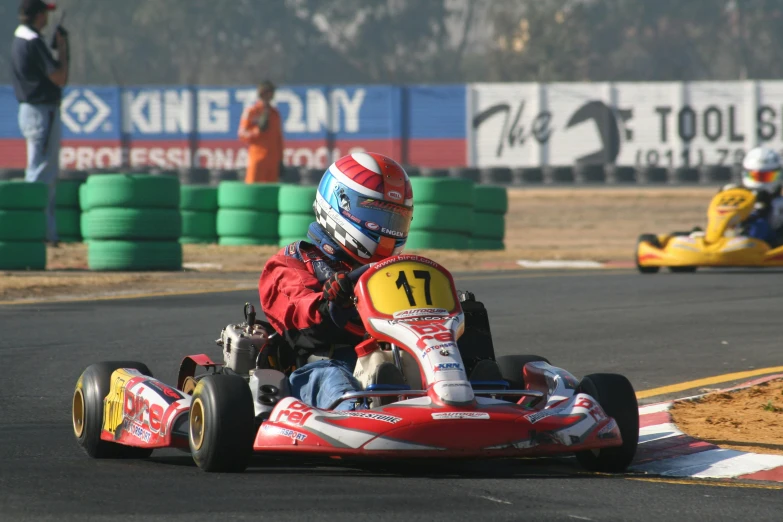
(493, 499)
(577, 517)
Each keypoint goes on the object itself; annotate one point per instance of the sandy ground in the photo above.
(545, 223)
(744, 420)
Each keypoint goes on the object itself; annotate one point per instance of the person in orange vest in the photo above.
(261, 128)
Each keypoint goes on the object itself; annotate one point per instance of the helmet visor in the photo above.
(375, 215)
(761, 176)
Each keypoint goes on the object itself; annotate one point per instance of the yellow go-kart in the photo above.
(721, 245)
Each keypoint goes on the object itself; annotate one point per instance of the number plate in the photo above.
(409, 285)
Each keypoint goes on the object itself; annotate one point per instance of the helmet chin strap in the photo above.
(319, 237)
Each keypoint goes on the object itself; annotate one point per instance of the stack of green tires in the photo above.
(442, 214)
(198, 206)
(490, 205)
(23, 225)
(295, 204)
(68, 212)
(247, 213)
(131, 222)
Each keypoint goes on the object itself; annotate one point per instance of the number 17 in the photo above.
(402, 282)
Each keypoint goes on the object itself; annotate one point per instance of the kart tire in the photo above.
(246, 241)
(190, 240)
(22, 225)
(87, 411)
(222, 424)
(653, 240)
(132, 223)
(20, 195)
(247, 223)
(297, 199)
(68, 222)
(490, 199)
(511, 367)
(134, 255)
(195, 197)
(261, 197)
(489, 226)
(617, 398)
(294, 225)
(22, 255)
(196, 223)
(441, 218)
(67, 195)
(130, 191)
(442, 191)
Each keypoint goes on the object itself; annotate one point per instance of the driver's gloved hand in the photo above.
(338, 289)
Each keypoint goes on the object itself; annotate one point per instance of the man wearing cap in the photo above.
(38, 81)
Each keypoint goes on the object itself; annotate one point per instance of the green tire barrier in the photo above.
(489, 226)
(22, 225)
(285, 241)
(67, 195)
(132, 223)
(190, 240)
(296, 199)
(18, 195)
(134, 255)
(294, 225)
(71, 239)
(243, 241)
(442, 218)
(235, 223)
(22, 255)
(478, 243)
(442, 191)
(199, 224)
(437, 240)
(195, 197)
(489, 199)
(250, 196)
(68, 222)
(130, 191)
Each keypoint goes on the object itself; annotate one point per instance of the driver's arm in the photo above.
(293, 302)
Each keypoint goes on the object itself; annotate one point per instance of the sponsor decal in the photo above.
(328, 249)
(136, 408)
(390, 232)
(476, 415)
(139, 432)
(394, 194)
(385, 206)
(448, 367)
(606, 431)
(296, 414)
(285, 432)
(168, 394)
(431, 331)
(292, 249)
(391, 419)
(444, 349)
(543, 414)
(351, 216)
(372, 226)
(593, 409)
(455, 385)
(420, 311)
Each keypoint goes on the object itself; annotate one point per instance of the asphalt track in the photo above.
(657, 330)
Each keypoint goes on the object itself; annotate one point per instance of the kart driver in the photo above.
(761, 173)
(363, 210)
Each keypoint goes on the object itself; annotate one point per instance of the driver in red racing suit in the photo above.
(363, 209)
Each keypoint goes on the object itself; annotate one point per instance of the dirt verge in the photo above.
(746, 420)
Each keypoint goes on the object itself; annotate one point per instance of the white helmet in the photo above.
(761, 170)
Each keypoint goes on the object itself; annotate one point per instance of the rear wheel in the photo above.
(511, 367)
(617, 398)
(653, 240)
(87, 411)
(222, 423)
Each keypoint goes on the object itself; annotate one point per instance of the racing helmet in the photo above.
(761, 170)
(364, 204)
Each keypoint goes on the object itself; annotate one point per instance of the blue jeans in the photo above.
(320, 383)
(40, 125)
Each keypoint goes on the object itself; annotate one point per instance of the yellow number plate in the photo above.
(408, 285)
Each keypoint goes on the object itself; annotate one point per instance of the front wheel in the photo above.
(222, 424)
(653, 240)
(87, 411)
(617, 398)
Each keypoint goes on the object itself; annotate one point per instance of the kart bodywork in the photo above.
(720, 245)
(409, 310)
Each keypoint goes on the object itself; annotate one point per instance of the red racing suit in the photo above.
(290, 291)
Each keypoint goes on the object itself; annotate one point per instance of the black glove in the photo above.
(338, 289)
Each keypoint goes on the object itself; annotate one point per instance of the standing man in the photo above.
(38, 81)
(261, 128)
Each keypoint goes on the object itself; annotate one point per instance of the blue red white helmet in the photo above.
(365, 205)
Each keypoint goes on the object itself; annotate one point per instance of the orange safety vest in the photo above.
(264, 147)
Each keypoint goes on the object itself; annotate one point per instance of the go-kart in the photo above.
(411, 317)
(722, 244)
